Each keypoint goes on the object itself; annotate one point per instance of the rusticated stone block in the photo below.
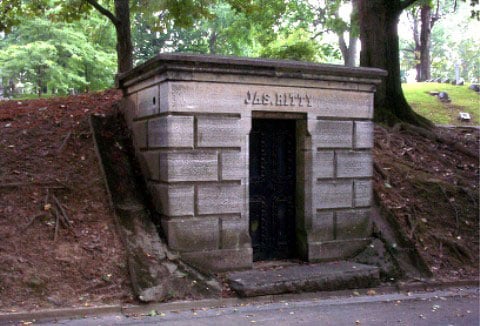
(322, 227)
(362, 193)
(170, 131)
(323, 164)
(352, 164)
(219, 198)
(332, 134)
(192, 234)
(173, 200)
(363, 134)
(148, 102)
(220, 260)
(234, 233)
(139, 130)
(353, 224)
(233, 165)
(333, 194)
(214, 131)
(192, 166)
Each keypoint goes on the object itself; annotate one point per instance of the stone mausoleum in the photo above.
(249, 159)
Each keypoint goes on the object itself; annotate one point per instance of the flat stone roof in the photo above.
(246, 66)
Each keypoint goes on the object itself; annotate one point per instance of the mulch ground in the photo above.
(58, 243)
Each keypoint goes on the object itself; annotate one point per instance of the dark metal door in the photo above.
(272, 188)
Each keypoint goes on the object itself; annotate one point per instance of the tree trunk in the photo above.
(418, 46)
(212, 42)
(425, 42)
(124, 37)
(380, 49)
(349, 51)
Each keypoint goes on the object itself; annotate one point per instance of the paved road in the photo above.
(446, 307)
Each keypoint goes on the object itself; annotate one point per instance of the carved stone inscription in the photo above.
(278, 99)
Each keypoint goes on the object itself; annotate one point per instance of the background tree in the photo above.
(380, 49)
(58, 56)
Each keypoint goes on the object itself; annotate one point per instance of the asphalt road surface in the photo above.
(445, 307)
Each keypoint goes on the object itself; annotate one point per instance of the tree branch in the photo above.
(406, 3)
(104, 11)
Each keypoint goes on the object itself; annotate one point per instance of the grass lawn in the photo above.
(463, 100)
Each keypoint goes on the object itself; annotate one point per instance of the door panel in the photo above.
(272, 188)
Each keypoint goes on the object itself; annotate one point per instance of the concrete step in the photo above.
(304, 278)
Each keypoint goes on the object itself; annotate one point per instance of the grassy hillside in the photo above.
(463, 100)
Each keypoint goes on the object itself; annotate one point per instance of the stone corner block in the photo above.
(191, 166)
(219, 198)
(322, 227)
(170, 131)
(233, 165)
(173, 200)
(332, 134)
(351, 164)
(191, 234)
(363, 193)
(323, 164)
(353, 224)
(333, 194)
(363, 134)
(148, 102)
(218, 261)
(218, 131)
(234, 233)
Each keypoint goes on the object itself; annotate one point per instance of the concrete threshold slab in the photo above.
(304, 278)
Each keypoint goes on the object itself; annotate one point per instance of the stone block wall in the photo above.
(194, 164)
(191, 132)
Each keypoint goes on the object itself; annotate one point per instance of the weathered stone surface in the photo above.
(192, 234)
(322, 227)
(363, 134)
(236, 98)
(220, 260)
(128, 107)
(173, 200)
(197, 143)
(219, 198)
(334, 250)
(148, 102)
(189, 166)
(215, 131)
(352, 164)
(149, 164)
(353, 224)
(234, 165)
(139, 130)
(170, 131)
(234, 233)
(362, 193)
(315, 277)
(333, 194)
(323, 164)
(332, 134)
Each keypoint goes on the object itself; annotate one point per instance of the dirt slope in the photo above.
(47, 155)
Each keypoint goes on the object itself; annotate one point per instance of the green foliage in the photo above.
(58, 56)
(299, 46)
